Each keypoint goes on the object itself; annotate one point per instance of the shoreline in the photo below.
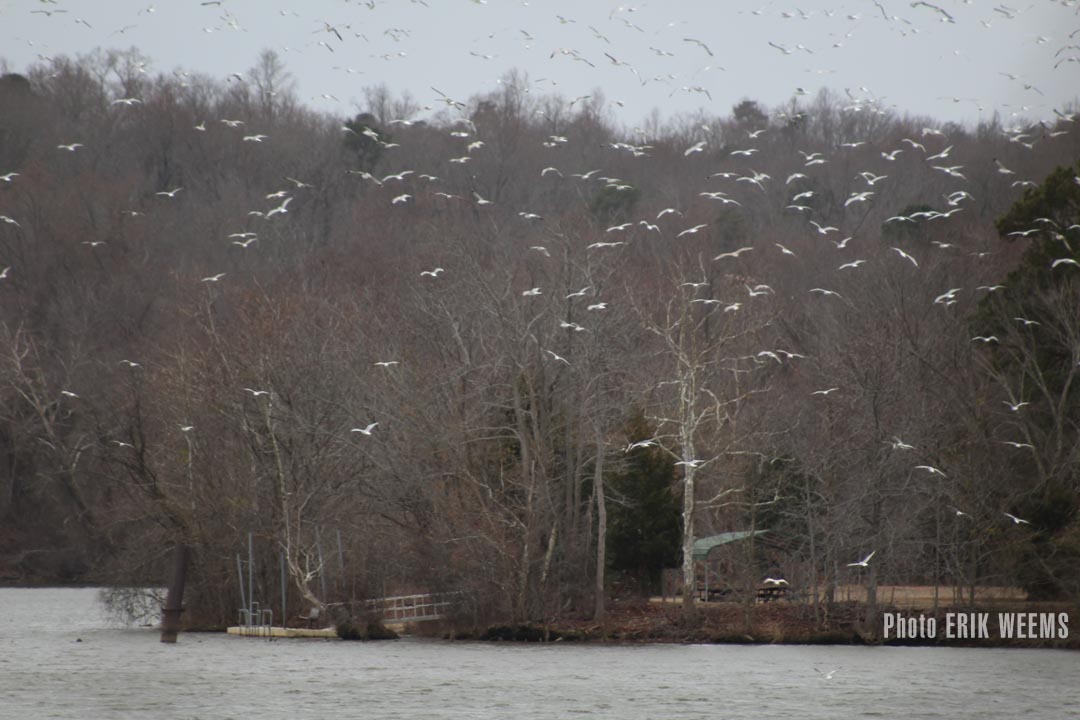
(777, 623)
(641, 621)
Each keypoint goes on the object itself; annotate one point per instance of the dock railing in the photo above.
(255, 622)
(406, 608)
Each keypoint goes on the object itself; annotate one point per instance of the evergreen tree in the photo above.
(1036, 320)
(645, 530)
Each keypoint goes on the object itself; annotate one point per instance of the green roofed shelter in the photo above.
(703, 546)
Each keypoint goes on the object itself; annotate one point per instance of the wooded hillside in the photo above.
(222, 313)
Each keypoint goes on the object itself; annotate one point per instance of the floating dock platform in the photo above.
(270, 631)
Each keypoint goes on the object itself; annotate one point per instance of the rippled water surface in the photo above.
(126, 673)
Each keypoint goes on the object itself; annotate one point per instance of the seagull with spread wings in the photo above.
(864, 562)
(905, 256)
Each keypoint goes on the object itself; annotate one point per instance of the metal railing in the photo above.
(412, 608)
(255, 622)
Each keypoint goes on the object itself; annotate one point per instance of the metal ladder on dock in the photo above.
(255, 622)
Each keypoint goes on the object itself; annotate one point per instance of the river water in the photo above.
(118, 672)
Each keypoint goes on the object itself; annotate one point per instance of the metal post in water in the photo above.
(251, 573)
(174, 600)
(240, 575)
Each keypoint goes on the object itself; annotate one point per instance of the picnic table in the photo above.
(768, 593)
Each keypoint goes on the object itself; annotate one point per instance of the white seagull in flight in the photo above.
(691, 230)
(557, 357)
(905, 256)
(863, 562)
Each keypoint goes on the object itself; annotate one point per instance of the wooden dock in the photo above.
(270, 631)
(398, 614)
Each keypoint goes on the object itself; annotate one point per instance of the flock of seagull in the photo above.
(872, 183)
(657, 54)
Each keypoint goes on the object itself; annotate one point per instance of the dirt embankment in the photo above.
(768, 623)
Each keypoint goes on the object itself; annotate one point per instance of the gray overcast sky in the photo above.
(992, 56)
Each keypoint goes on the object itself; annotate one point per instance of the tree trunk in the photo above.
(174, 600)
(601, 529)
(689, 576)
(814, 578)
(545, 573)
